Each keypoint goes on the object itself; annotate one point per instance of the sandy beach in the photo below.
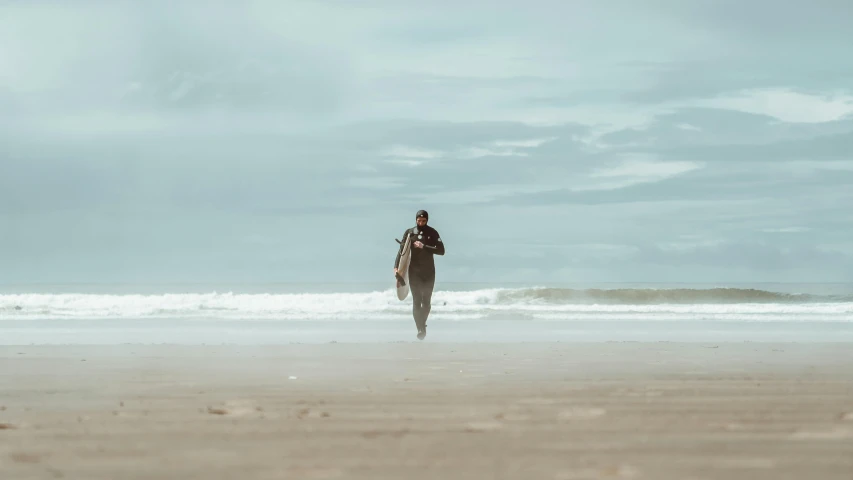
(428, 410)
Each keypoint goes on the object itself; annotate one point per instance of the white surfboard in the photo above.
(403, 268)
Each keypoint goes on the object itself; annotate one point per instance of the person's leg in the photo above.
(426, 299)
(416, 286)
(422, 302)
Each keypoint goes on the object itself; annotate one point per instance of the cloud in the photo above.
(502, 148)
(158, 63)
(480, 194)
(715, 126)
(479, 152)
(808, 167)
(376, 183)
(745, 255)
(626, 172)
(407, 161)
(785, 105)
(448, 135)
(411, 155)
(461, 149)
(634, 170)
(829, 147)
(786, 230)
(534, 142)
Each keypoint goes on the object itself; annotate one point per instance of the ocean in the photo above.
(461, 312)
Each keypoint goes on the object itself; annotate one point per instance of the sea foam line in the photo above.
(479, 304)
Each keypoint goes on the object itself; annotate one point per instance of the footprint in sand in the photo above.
(512, 417)
(242, 407)
(483, 426)
(31, 458)
(236, 408)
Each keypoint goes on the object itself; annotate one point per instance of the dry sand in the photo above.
(440, 411)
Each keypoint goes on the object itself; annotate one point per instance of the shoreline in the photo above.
(439, 331)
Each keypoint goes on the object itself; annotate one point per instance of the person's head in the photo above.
(422, 217)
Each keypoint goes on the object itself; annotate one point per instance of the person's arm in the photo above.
(403, 240)
(438, 248)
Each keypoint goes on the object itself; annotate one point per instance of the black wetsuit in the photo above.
(422, 270)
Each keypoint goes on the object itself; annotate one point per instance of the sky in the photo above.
(704, 141)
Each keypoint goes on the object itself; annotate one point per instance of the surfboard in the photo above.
(402, 278)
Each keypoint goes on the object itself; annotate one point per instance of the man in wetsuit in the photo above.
(425, 244)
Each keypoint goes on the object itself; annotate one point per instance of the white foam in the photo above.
(459, 306)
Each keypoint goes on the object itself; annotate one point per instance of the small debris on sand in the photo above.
(25, 458)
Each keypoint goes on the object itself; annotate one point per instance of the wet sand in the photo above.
(427, 410)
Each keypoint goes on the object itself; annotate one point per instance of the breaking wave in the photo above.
(526, 303)
(643, 296)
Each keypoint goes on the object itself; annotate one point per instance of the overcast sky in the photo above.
(551, 141)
